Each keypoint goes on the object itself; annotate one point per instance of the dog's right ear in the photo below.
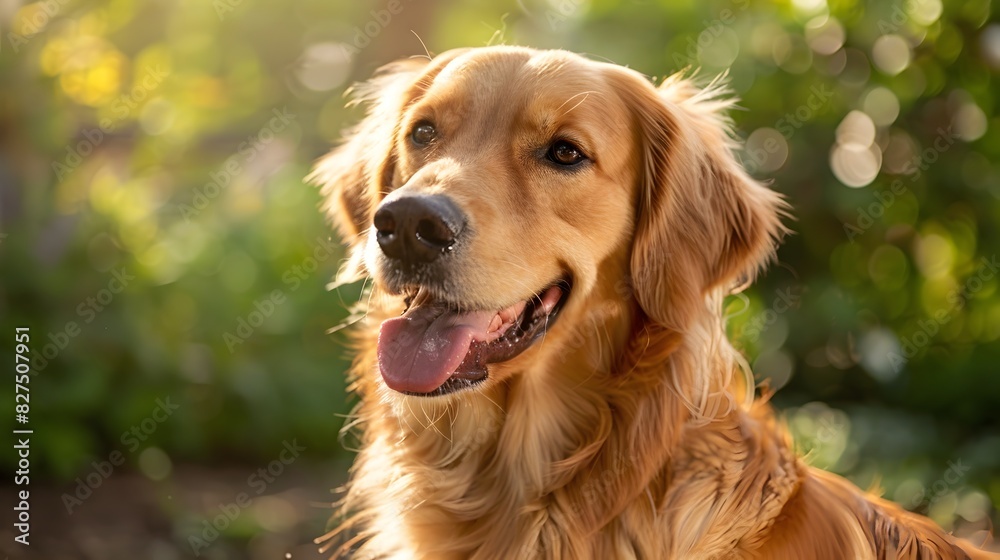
(352, 176)
(702, 222)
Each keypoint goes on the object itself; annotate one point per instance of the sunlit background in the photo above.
(157, 237)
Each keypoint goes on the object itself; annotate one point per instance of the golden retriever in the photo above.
(542, 366)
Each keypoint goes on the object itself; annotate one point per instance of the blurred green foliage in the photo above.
(162, 145)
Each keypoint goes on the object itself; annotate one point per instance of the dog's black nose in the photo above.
(416, 229)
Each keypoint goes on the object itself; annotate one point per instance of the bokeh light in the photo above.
(855, 159)
(891, 54)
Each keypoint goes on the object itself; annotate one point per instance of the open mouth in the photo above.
(434, 349)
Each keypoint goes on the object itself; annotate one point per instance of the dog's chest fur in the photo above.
(516, 472)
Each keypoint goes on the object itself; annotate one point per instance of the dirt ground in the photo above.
(131, 517)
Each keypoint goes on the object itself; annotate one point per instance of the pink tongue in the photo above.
(420, 350)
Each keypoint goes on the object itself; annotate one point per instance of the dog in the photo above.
(542, 365)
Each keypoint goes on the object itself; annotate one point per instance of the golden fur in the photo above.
(629, 431)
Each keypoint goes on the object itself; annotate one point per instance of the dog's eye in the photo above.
(565, 153)
(423, 134)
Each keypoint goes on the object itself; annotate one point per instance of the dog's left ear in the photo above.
(352, 175)
(702, 221)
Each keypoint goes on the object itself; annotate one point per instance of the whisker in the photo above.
(578, 103)
(494, 403)
(574, 96)
(422, 44)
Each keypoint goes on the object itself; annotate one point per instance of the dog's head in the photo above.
(503, 192)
